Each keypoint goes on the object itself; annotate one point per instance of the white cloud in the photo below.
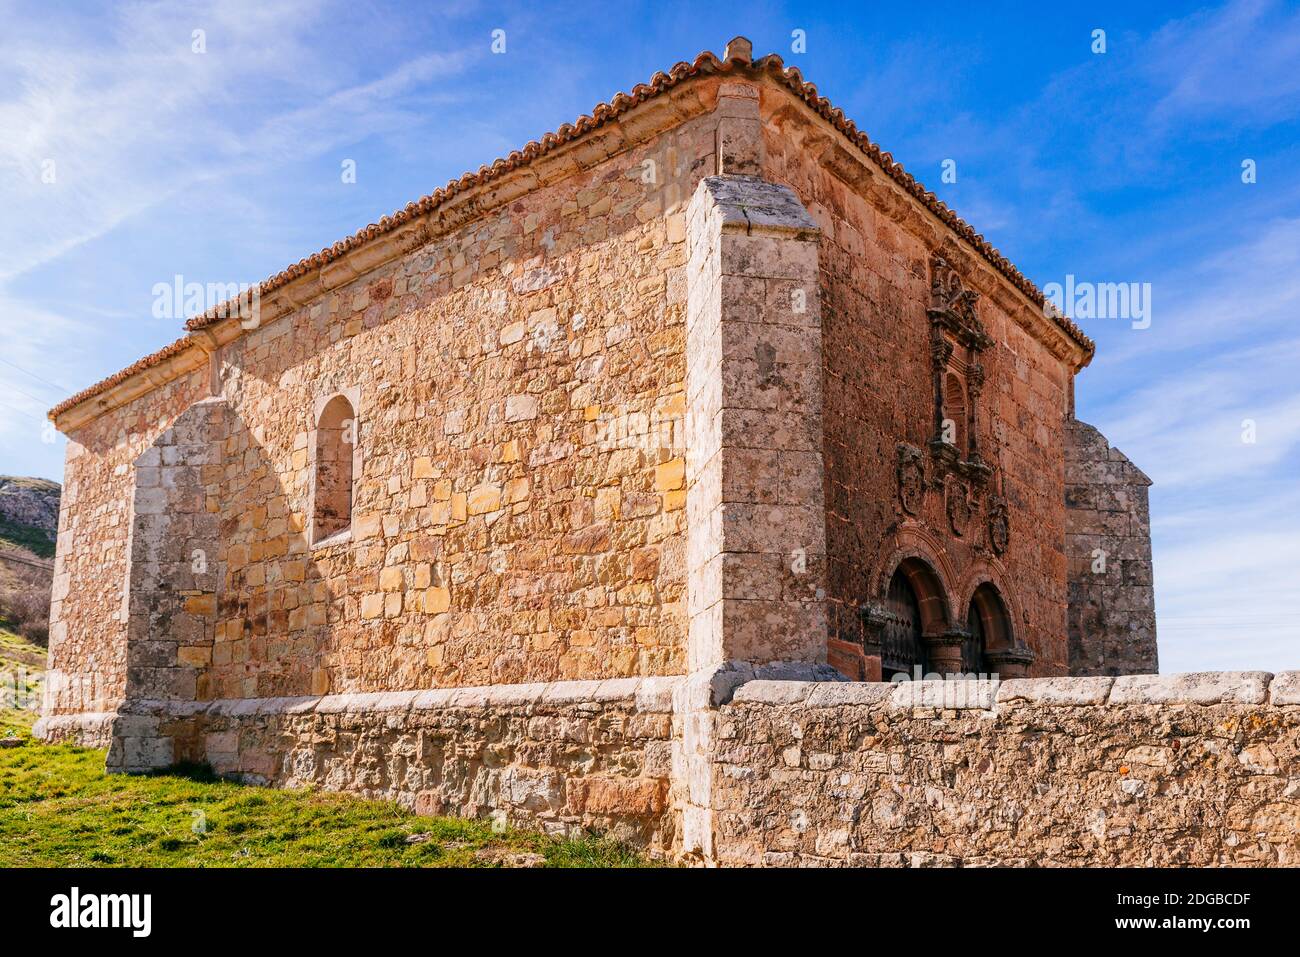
(1228, 580)
(132, 120)
(1235, 64)
(1191, 422)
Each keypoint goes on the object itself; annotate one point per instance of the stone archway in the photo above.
(991, 645)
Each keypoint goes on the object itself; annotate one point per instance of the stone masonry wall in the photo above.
(88, 612)
(1112, 623)
(1196, 770)
(1180, 770)
(562, 757)
(520, 504)
(519, 511)
(875, 252)
(174, 548)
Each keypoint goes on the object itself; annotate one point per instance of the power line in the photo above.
(29, 415)
(35, 398)
(53, 385)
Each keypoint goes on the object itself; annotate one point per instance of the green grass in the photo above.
(59, 809)
(35, 540)
(18, 656)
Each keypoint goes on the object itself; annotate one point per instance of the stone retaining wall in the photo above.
(734, 769)
(1197, 769)
(560, 757)
(89, 729)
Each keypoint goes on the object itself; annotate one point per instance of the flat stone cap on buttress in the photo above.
(753, 205)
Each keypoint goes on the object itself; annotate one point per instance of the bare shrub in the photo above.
(25, 601)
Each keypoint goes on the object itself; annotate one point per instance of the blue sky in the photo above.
(1122, 166)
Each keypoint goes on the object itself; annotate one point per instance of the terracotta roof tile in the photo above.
(620, 103)
(148, 362)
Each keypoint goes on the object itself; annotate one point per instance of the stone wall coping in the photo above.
(753, 205)
(1194, 688)
(1285, 688)
(1056, 691)
(46, 725)
(652, 695)
(655, 695)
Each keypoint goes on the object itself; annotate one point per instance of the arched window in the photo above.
(335, 445)
(989, 626)
(954, 412)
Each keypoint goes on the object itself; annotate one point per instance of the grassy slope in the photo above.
(18, 656)
(58, 808)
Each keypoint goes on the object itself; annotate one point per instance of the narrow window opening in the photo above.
(335, 444)
(954, 412)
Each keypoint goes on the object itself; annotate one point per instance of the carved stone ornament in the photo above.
(999, 525)
(952, 305)
(911, 477)
(958, 505)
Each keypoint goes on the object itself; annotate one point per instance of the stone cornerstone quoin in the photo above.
(605, 488)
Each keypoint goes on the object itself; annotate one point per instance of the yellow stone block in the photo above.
(392, 604)
(608, 500)
(392, 579)
(194, 656)
(516, 490)
(442, 490)
(673, 407)
(422, 467)
(677, 227)
(320, 681)
(483, 498)
(366, 526)
(674, 500)
(670, 475)
(372, 606)
(201, 604)
(437, 600)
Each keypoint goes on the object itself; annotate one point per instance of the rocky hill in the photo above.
(29, 514)
(29, 519)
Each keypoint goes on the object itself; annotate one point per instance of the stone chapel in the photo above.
(703, 383)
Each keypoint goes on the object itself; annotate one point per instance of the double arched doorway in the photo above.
(916, 630)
